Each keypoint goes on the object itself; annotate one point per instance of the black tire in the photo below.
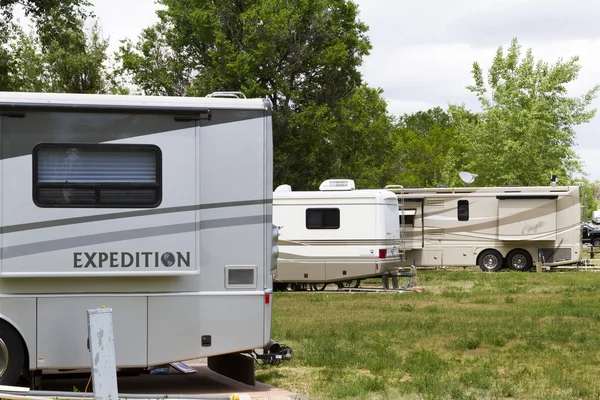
(319, 287)
(280, 286)
(490, 261)
(12, 354)
(596, 242)
(130, 372)
(348, 284)
(519, 260)
(385, 281)
(299, 286)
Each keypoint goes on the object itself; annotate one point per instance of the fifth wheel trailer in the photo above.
(492, 227)
(127, 202)
(335, 235)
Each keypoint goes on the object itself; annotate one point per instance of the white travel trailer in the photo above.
(492, 227)
(127, 202)
(335, 235)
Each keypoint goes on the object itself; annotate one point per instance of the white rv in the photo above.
(335, 235)
(492, 227)
(127, 202)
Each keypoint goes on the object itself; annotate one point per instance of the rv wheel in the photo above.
(319, 287)
(12, 354)
(490, 261)
(349, 284)
(519, 260)
(596, 242)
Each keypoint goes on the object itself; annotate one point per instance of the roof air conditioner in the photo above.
(337, 184)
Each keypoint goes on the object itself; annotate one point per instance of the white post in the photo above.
(102, 351)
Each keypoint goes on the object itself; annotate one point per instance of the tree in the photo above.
(432, 149)
(362, 141)
(301, 54)
(525, 130)
(59, 56)
(75, 60)
(69, 10)
(590, 197)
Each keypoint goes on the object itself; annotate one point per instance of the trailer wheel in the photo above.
(12, 354)
(319, 287)
(596, 242)
(519, 260)
(490, 261)
(349, 284)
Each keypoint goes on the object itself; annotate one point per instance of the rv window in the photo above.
(463, 210)
(409, 216)
(96, 175)
(322, 218)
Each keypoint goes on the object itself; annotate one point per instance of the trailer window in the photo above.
(322, 218)
(96, 175)
(463, 210)
(409, 216)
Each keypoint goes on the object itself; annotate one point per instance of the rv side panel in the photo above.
(526, 219)
(21, 312)
(54, 240)
(215, 323)
(62, 323)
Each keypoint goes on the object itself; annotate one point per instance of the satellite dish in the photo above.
(467, 177)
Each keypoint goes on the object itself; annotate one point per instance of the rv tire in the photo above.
(596, 242)
(319, 287)
(519, 260)
(349, 284)
(490, 261)
(12, 354)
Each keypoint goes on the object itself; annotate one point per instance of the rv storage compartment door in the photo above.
(526, 218)
(62, 323)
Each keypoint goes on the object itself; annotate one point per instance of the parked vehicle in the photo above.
(157, 207)
(590, 234)
(492, 227)
(335, 235)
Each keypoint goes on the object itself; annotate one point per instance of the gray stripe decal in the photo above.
(126, 214)
(100, 238)
(20, 135)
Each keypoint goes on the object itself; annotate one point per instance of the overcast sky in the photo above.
(423, 51)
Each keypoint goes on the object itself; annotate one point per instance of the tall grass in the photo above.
(469, 335)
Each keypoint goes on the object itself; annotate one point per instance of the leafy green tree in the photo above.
(590, 197)
(432, 148)
(75, 59)
(525, 131)
(62, 57)
(28, 72)
(70, 12)
(362, 143)
(301, 54)
(154, 66)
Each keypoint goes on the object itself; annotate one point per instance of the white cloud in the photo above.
(124, 19)
(423, 51)
(400, 107)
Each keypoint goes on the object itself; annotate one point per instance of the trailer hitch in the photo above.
(273, 354)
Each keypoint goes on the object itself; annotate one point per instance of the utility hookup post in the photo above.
(101, 344)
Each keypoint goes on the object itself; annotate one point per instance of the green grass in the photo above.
(469, 335)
